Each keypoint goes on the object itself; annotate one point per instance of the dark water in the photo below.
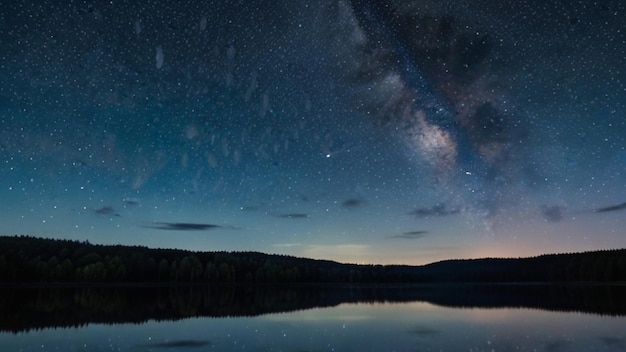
(315, 318)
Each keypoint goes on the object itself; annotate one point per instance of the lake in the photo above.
(315, 318)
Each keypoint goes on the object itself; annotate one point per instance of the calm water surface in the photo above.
(413, 326)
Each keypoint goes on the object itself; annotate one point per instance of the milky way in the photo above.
(330, 130)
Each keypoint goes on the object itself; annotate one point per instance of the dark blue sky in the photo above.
(359, 131)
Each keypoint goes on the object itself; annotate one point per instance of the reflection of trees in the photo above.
(25, 309)
(33, 308)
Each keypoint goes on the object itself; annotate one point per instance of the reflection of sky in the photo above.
(347, 327)
(330, 131)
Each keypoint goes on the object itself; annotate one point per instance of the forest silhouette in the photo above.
(25, 259)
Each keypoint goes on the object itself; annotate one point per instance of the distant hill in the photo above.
(26, 259)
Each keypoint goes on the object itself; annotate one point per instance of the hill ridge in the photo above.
(27, 259)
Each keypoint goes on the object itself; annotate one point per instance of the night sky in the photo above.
(359, 131)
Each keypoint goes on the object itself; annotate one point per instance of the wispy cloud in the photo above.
(440, 209)
(611, 208)
(288, 245)
(353, 202)
(180, 344)
(291, 216)
(106, 211)
(181, 226)
(412, 235)
(553, 213)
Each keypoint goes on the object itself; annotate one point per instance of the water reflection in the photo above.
(305, 318)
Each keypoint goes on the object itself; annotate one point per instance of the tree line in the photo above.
(27, 259)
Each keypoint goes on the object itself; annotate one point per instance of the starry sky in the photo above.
(362, 131)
